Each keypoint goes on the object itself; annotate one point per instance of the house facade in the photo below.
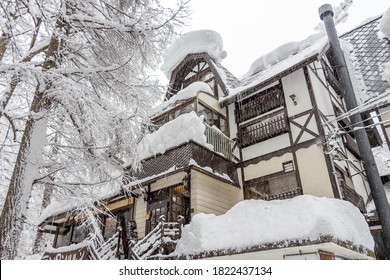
(218, 140)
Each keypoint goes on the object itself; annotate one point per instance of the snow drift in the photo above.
(256, 222)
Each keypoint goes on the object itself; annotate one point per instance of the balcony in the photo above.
(352, 196)
(222, 144)
(264, 129)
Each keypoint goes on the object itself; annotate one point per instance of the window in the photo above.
(79, 233)
(288, 166)
(213, 118)
(122, 218)
(171, 202)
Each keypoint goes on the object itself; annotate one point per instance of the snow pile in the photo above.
(384, 24)
(357, 79)
(309, 47)
(184, 128)
(279, 54)
(256, 222)
(190, 91)
(282, 53)
(382, 159)
(193, 42)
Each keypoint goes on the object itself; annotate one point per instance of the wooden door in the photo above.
(156, 210)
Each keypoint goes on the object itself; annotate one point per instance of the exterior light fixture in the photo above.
(293, 98)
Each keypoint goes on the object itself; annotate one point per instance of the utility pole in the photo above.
(374, 180)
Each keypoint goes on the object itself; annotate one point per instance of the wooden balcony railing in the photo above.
(260, 104)
(264, 129)
(332, 79)
(284, 195)
(352, 196)
(222, 144)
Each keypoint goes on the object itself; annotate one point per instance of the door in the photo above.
(156, 210)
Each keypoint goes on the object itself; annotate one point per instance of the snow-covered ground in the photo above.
(256, 222)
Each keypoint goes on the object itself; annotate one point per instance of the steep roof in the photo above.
(371, 54)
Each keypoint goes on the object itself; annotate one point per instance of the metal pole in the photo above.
(377, 190)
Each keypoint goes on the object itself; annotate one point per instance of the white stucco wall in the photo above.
(314, 172)
(266, 167)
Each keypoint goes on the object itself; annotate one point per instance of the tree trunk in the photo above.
(27, 162)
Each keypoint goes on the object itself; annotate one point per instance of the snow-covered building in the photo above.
(218, 140)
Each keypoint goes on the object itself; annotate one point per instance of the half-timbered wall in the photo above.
(328, 98)
(267, 167)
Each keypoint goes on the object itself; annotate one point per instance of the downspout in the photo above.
(377, 190)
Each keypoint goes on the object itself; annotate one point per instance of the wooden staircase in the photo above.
(160, 241)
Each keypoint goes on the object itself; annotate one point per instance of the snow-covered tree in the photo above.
(75, 91)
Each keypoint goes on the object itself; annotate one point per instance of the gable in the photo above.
(193, 68)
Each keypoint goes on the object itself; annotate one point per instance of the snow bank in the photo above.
(184, 128)
(384, 25)
(256, 222)
(193, 42)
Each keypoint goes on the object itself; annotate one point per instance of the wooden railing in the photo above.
(284, 195)
(161, 240)
(108, 250)
(222, 144)
(352, 196)
(259, 104)
(264, 129)
(352, 146)
(331, 78)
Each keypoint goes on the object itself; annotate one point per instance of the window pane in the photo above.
(79, 233)
(206, 113)
(109, 227)
(64, 239)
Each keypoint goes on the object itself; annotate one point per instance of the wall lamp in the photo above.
(293, 98)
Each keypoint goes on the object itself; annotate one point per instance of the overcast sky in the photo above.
(251, 28)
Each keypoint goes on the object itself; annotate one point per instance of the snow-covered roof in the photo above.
(276, 62)
(254, 222)
(198, 41)
(370, 53)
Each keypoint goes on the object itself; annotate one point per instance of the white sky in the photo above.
(252, 28)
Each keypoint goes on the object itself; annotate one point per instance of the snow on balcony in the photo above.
(181, 130)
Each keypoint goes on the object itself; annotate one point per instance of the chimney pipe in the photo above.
(377, 190)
